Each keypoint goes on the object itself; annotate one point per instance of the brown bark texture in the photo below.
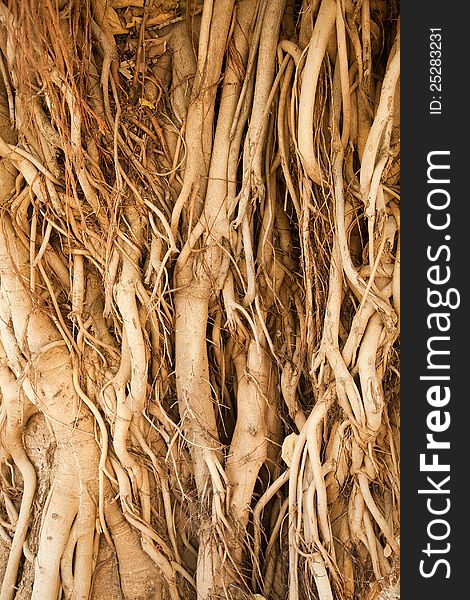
(199, 299)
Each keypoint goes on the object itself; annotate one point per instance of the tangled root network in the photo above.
(199, 299)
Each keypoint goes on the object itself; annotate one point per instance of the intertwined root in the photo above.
(199, 292)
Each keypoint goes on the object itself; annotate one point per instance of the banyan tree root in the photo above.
(199, 292)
